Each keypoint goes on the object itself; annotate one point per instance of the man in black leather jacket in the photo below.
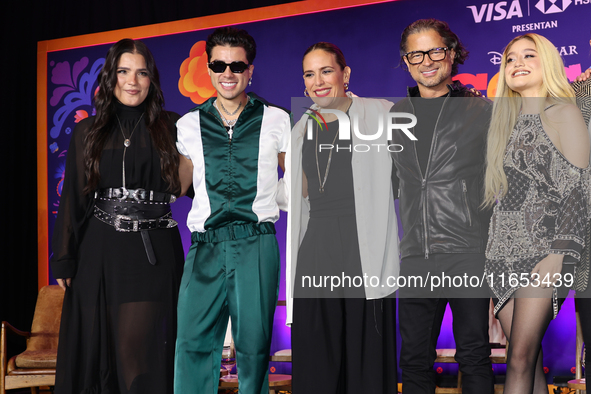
(444, 230)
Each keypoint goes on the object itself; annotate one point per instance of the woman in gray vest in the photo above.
(342, 226)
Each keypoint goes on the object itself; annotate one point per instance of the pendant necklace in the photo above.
(323, 182)
(230, 123)
(126, 143)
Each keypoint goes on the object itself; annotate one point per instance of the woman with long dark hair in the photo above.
(116, 249)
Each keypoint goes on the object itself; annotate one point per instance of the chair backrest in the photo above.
(46, 320)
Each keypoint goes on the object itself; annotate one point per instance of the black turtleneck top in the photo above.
(142, 170)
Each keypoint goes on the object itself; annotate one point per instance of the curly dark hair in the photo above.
(450, 40)
(157, 119)
(233, 37)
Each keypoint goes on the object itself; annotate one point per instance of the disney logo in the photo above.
(496, 58)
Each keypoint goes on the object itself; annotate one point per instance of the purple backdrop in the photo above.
(369, 37)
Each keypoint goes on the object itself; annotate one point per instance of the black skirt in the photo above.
(118, 324)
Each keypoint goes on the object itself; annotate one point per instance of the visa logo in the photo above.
(496, 11)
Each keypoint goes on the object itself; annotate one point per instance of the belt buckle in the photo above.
(117, 224)
(121, 193)
(139, 195)
(171, 223)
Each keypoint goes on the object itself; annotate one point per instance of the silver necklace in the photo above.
(226, 111)
(126, 143)
(229, 123)
(323, 182)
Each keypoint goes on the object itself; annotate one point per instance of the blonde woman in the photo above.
(537, 180)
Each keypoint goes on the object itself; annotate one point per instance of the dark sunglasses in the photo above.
(219, 67)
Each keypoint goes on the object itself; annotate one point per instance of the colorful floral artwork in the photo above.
(194, 81)
(76, 86)
(71, 89)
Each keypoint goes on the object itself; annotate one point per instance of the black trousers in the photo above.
(344, 346)
(420, 314)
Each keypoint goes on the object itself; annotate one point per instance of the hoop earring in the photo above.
(306, 93)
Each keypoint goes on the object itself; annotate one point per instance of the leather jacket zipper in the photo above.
(424, 176)
(465, 195)
(426, 233)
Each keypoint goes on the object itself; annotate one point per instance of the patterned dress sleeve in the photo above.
(74, 209)
(572, 214)
(583, 94)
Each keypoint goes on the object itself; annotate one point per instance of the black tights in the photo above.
(524, 320)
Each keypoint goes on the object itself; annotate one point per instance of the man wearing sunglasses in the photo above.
(439, 178)
(231, 146)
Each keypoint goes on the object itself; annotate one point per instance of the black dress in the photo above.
(341, 342)
(118, 324)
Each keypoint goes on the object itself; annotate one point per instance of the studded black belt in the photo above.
(139, 195)
(131, 216)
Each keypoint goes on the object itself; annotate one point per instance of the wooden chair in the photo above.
(578, 384)
(282, 382)
(35, 367)
(281, 356)
(277, 382)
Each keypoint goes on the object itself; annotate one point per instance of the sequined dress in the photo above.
(543, 212)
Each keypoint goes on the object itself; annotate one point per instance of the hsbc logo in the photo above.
(503, 10)
(552, 6)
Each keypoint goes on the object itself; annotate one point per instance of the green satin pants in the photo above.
(231, 271)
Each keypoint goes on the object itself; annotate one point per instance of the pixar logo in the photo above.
(480, 81)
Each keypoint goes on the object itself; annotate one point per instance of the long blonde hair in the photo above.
(505, 112)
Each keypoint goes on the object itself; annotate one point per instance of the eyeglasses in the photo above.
(219, 67)
(435, 54)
